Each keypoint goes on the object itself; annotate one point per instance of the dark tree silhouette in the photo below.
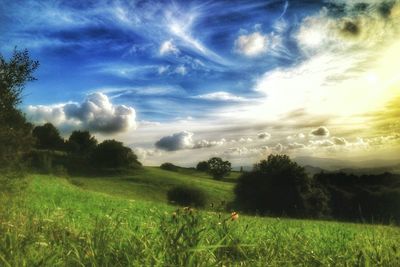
(113, 154)
(203, 166)
(276, 186)
(218, 168)
(48, 137)
(81, 143)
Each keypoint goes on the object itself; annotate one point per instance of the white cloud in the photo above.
(206, 143)
(220, 96)
(96, 113)
(181, 70)
(168, 47)
(252, 44)
(163, 69)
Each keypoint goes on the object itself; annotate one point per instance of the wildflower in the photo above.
(234, 216)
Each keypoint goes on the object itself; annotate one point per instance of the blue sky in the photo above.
(198, 72)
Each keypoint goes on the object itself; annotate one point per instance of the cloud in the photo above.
(206, 143)
(296, 145)
(177, 141)
(320, 131)
(339, 141)
(264, 136)
(220, 96)
(168, 47)
(96, 113)
(181, 70)
(252, 44)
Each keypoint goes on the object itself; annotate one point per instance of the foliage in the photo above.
(187, 196)
(48, 137)
(203, 166)
(276, 186)
(372, 198)
(81, 143)
(219, 168)
(113, 154)
(15, 131)
(169, 166)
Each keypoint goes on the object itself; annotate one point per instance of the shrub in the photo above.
(169, 166)
(187, 196)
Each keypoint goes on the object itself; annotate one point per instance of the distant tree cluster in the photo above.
(81, 151)
(279, 187)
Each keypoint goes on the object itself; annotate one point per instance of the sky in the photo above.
(183, 81)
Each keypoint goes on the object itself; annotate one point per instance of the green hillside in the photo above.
(55, 223)
(152, 183)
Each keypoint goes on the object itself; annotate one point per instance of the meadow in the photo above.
(126, 221)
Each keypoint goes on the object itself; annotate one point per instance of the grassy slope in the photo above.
(58, 224)
(152, 183)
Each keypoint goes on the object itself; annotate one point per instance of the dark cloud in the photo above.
(320, 131)
(177, 141)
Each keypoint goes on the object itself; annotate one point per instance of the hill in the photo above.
(152, 184)
(54, 223)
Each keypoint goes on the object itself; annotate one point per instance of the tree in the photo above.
(113, 154)
(15, 131)
(202, 166)
(276, 186)
(218, 168)
(48, 137)
(81, 143)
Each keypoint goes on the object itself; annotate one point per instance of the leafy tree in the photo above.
(202, 166)
(81, 143)
(48, 137)
(113, 154)
(219, 168)
(276, 186)
(15, 131)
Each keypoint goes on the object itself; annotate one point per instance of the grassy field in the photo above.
(152, 183)
(55, 223)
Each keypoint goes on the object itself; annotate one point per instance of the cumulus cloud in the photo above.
(96, 113)
(264, 136)
(220, 96)
(177, 141)
(320, 131)
(168, 47)
(252, 44)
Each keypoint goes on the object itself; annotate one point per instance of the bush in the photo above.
(187, 196)
(169, 167)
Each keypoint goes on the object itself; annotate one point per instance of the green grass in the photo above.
(152, 183)
(54, 223)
